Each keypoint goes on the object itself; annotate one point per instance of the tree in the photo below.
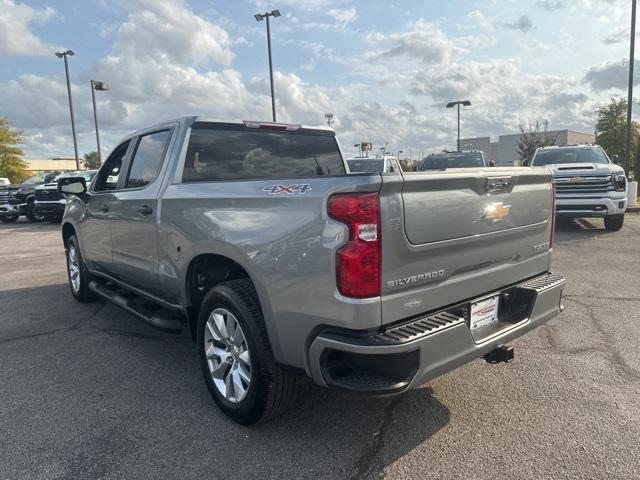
(91, 160)
(12, 165)
(534, 137)
(611, 129)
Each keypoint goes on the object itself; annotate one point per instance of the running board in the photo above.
(149, 313)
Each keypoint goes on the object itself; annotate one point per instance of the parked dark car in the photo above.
(50, 203)
(19, 199)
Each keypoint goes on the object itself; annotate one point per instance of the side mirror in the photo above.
(525, 163)
(616, 159)
(72, 185)
(492, 163)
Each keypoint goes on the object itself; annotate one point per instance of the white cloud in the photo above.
(422, 40)
(343, 17)
(16, 38)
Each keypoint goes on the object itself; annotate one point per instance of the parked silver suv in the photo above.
(282, 265)
(588, 183)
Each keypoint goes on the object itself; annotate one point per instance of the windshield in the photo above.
(366, 166)
(39, 178)
(569, 155)
(442, 161)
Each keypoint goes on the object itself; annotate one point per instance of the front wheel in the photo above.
(614, 223)
(236, 357)
(78, 274)
(32, 215)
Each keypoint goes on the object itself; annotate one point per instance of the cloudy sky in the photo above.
(384, 68)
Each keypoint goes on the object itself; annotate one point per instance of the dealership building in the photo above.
(503, 150)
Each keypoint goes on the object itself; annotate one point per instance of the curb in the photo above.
(632, 210)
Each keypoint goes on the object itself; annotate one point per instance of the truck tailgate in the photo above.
(452, 235)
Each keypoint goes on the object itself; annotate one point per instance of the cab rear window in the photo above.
(215, 154)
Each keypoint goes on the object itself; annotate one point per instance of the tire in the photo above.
(56, 219)
(75, 265)
(32, 215)
(614, 223)
(270, 390)
(9, 218)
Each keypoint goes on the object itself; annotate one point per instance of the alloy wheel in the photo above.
(227, 355)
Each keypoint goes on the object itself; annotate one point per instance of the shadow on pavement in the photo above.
(139, 393)
(570, 229)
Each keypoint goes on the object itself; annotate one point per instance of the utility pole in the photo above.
(329, 117)
(64, 55)
(265, 16)
(632, 44)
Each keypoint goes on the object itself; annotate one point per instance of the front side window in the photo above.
(227, 154)
(110, 172)
(147, 159)
(569, 155)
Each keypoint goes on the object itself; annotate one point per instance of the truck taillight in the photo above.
(358, 261)
(552, 240)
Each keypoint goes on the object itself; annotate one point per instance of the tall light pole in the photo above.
(632, 45)
(265, 16)
(65, 54)
(464, 103)
(101, 86)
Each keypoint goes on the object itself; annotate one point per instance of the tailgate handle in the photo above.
(498, 184)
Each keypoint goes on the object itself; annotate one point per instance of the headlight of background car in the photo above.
(620, 182)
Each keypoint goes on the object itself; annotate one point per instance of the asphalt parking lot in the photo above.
(86, 391)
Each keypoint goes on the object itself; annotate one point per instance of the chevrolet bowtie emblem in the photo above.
(577, 180)
(496, 211)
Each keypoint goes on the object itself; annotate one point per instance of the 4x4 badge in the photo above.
(289, 189)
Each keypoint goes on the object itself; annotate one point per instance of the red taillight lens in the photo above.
(358, 261)
(552, 241)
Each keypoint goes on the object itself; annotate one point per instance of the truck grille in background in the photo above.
(4, 196)
(48, 195)
(584, 184)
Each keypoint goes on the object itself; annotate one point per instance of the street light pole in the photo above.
(95, 85)
(464, 103)
(64, 55)
(265, 16)
(627, 156)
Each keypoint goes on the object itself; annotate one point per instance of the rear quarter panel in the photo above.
(285, 242)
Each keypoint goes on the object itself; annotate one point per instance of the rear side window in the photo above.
(218, 154)
(147, 159)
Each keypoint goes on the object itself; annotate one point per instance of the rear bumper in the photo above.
(408, 354)
(574, 206)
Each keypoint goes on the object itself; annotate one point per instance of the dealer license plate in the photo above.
(484, 312)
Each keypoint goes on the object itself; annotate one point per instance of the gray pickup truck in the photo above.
(282, 265)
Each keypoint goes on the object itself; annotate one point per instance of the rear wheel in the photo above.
(236, 358)
(32, 215)
(79, 277)
(8, 218)
(614, 223)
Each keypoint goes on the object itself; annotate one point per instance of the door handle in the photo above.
(145, 210)
(104, 208)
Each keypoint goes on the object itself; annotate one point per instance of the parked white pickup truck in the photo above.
(588, 183)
